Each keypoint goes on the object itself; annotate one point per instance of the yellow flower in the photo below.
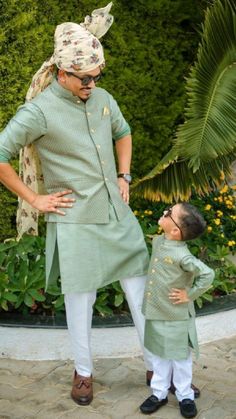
(231, 243)
(222, 175)
(233, 187)
(217, 221)
(220, 199)
(148, 212)
(224, 189)
(209, 229)
(219, 213)
(207, 207)
(222, 235)
(136, 212)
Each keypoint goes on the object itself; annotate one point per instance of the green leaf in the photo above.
(28, 300)
(4, 305)
(10, 297)
(118, 300)
(103, 309)
(59, 302)
(36, 295)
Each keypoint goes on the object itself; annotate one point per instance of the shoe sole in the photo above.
(81, 402)
(188, 416)
(157, 408)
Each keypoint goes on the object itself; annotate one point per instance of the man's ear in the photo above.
(61, 75)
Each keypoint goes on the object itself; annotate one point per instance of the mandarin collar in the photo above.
(172, 243)
(60, 91)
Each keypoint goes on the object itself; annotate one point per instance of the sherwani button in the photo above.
(153, 270)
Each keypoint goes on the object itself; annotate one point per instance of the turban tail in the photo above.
(76, 49)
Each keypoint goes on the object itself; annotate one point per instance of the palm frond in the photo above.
(176, 182)
(205, 145)
(210, 127)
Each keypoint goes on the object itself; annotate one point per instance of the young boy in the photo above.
(175, 279)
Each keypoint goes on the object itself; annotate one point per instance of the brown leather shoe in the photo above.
(82, 389)
(172, 388)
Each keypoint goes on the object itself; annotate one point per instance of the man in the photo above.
(92, 236)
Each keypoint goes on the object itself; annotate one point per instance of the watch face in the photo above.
(125, 176)
(128, 178)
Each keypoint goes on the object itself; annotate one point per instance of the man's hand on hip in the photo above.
(51, 202)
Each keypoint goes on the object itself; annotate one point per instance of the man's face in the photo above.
(79, 83)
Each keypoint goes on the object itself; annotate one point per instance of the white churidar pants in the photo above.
(79, 311)
(182, 377)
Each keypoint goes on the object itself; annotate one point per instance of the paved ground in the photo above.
(41, 389)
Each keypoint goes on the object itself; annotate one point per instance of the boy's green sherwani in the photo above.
(170, 328)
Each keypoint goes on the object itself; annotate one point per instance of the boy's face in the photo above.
(170, 221)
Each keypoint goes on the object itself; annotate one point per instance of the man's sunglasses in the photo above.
(86, 79)
(168, 213)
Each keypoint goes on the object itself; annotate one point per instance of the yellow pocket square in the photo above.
(106, 111)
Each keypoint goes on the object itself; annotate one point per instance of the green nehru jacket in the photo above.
(171, 327)
(99, 240)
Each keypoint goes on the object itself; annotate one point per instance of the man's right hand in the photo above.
(51, 202)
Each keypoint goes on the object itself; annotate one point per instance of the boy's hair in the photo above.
(191, 222)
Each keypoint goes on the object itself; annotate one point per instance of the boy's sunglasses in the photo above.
(168, 213)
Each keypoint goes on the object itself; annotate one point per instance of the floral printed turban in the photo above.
(76, 49)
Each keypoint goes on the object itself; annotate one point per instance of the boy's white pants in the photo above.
(79, 311)
(182, 377)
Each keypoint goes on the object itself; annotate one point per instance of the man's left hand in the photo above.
(124, 189)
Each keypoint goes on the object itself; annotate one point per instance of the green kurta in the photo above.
(170, 329)
(99, 240)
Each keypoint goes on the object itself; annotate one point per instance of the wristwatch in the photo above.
(126, 176)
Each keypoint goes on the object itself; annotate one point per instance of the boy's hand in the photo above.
(178, 296)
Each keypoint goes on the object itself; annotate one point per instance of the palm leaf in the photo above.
(176, 182)
(206, 143)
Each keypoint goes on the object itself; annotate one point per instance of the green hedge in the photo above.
(148, 50)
